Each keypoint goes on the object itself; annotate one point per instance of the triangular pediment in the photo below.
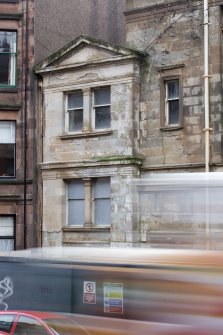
(85, 50)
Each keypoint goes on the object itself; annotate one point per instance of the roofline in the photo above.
(90, 41)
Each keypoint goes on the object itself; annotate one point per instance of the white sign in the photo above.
(89, 292)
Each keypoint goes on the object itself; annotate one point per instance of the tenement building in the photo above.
(16, 125)
(109, 114)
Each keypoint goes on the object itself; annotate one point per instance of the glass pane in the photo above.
(7, 153)
(75, 100)
(6, 244)
(7, 41)
(6, 322)
(102, 212)
(76, 212)
(102, 117)
(7, 132)
(173, 89)
(76, 189)
(28, 325)
(6, 226)
(5, 69)
(174, 112)
(76, 120)
(102, 96)
(7, 60)
(102, 188)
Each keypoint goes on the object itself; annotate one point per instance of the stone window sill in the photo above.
(86, 229)
(86, 134)
(169, 128)
(8, 89)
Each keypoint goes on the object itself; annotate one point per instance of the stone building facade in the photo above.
(16, 124)
(132, 113)
(90, 146)
(172, 114)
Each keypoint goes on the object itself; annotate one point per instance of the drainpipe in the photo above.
(207, 125)
(25, 127)
(207, 128)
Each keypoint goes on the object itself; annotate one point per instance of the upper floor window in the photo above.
(88, 110)
(172, 110)
(7, 58)
(75, 111)
(7, 148)
(101, 107)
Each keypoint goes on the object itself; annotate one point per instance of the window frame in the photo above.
(95, 106)
(164, 105)
(68, 110)
(88, 108)
(14, 143)
(10, 237)
(15, 55)
(89, 202)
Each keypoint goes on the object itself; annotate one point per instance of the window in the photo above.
(75, 111)
(88, 109)
(76, 203)
(172, 111)
(101, 106)
(7, 149)
(101, 187)
(89, 202)
(27, 325)
(7, 233)
(7, 58)
(6, 322)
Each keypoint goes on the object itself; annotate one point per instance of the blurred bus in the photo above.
(119, 290)
(179, 210)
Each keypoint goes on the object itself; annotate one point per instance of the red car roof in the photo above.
(38, 314)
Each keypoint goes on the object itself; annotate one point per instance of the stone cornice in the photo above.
(102, 161)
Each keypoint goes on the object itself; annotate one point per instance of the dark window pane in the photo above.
(6, 322)
(173, 89)
(75, 100)
(27, 325)
(7, 160)
(102, 117)
(76, 120)
(4, 69)
(102, 96)
(174, 112)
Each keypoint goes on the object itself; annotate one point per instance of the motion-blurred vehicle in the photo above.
(38, 323)
(117, 291)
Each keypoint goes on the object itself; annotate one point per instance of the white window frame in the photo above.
(168, 100)
(89, 203)
(10, 138)
(95, 106)
(7, 231)
(13, 58)
(68, 110)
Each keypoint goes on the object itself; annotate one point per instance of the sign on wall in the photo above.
(113, 298)
(89, 292)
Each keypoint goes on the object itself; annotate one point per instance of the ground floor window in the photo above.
(7, 149)
(89, 202)
(7, 233)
